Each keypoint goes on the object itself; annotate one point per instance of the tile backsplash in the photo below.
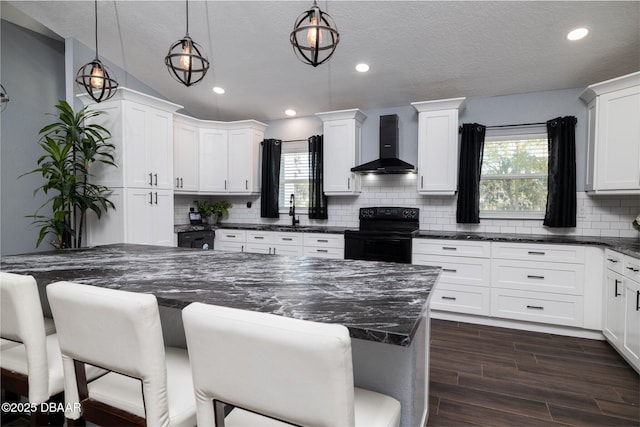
(609, 216)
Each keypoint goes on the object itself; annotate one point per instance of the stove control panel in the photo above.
(394, 213)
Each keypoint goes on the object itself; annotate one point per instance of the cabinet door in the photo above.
(185, 158)
(240, 162)
(161, 218)
(438, 152)
(213, 160)
(159, 148)
(138, 218)
(613, 307)
(631, 335)
(137, 170)
(341, 153)
(618, 163)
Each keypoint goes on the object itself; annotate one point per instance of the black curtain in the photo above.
(561, 195)
(271, 151)
(470, 165)
(317, 199)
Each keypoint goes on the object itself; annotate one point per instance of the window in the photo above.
(513, 180)
(294, 176)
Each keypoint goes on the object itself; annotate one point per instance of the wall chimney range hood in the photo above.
(388, 163)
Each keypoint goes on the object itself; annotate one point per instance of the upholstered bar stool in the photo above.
(276, 368)
(120, 331)
(31, 364)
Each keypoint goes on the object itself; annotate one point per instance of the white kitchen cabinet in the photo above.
(342, 139)
(323, 245)
(622, 305)
(230, 157)
(464, 282)
(141, 127)
(438, 146)
(274, 243)
(230, 240)
(213, 159)
(186, 140)
(613, 136)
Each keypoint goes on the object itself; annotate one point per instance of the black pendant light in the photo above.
(94, 76)
(185, 61)
(315, 36)
(4, 98)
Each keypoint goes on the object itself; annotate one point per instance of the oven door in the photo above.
(364, 246)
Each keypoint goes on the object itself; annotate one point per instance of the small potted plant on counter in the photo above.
(221, 210)
(205, 208)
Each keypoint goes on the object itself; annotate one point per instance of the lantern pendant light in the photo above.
(94, 76)
(185, 61)
(315, 36)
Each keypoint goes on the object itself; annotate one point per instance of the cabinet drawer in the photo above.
(290, 250)
(535, 252)
(228, 246)
(632, 268)
(461, 299)
(557, 309)
(538, 276)
(452, 247)
(226, 235)
(259, 237)
(459, 270)
(323, 240)
(324, 252)
(614, 261)
(289, 239)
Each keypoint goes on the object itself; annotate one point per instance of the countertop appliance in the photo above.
(385, 234)
(202, 239)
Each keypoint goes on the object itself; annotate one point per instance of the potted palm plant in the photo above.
(71, 144)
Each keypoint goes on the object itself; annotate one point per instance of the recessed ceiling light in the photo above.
(363, 68)
(289, 112)
(218, 89)
(577, 34)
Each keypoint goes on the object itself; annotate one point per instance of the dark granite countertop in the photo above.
(627, 246)
(261, 227)
(377, 301)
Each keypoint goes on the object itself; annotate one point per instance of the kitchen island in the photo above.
(385, 306)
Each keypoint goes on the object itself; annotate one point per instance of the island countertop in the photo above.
(376, 301)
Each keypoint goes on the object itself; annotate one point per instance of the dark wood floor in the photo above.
(487, 376)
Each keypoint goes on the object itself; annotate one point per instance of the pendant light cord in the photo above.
(187, 17)
(95, 9)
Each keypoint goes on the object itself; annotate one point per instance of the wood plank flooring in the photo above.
(487, 376)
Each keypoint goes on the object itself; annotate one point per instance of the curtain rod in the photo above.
(296, 140)
(509, 126)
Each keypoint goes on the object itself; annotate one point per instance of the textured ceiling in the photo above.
(418, 50)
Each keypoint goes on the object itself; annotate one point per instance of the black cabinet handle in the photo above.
(348, 183)
(615, 291)
(449, 248)
(258, 237)
(155, 176)
(181, 183)
(531, 276)
(322, 241)
(322, 250)
(246, 184)
(613, 260)
(225, 184)
(287, 239)
(450, 270)
(177, 182)
(421, 181)
(449, 298)
(635, 270)
(637, 300)
(535, 307)
(156, 197)
(150, 198)
(150, 179)
(535, 253)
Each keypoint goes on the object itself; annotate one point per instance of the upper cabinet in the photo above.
(438, 146)
(613, 136)
(342, 138)
(217, 157)
(185, 154)
(141, 128)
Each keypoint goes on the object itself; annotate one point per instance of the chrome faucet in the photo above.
(292, 211)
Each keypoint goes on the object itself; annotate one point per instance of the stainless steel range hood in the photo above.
(388, 161)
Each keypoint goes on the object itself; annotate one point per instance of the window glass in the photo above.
(294, 176)
(513, 181)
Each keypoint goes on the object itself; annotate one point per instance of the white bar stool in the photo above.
(30, 359)
(120, 331)
(277, 368)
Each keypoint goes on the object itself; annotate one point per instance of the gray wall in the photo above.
(32, 71)
(498, 110)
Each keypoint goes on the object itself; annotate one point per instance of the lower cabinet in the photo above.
(274, 243)
(621, 311)
(323, 245)
(230, 240)
(142, 216)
